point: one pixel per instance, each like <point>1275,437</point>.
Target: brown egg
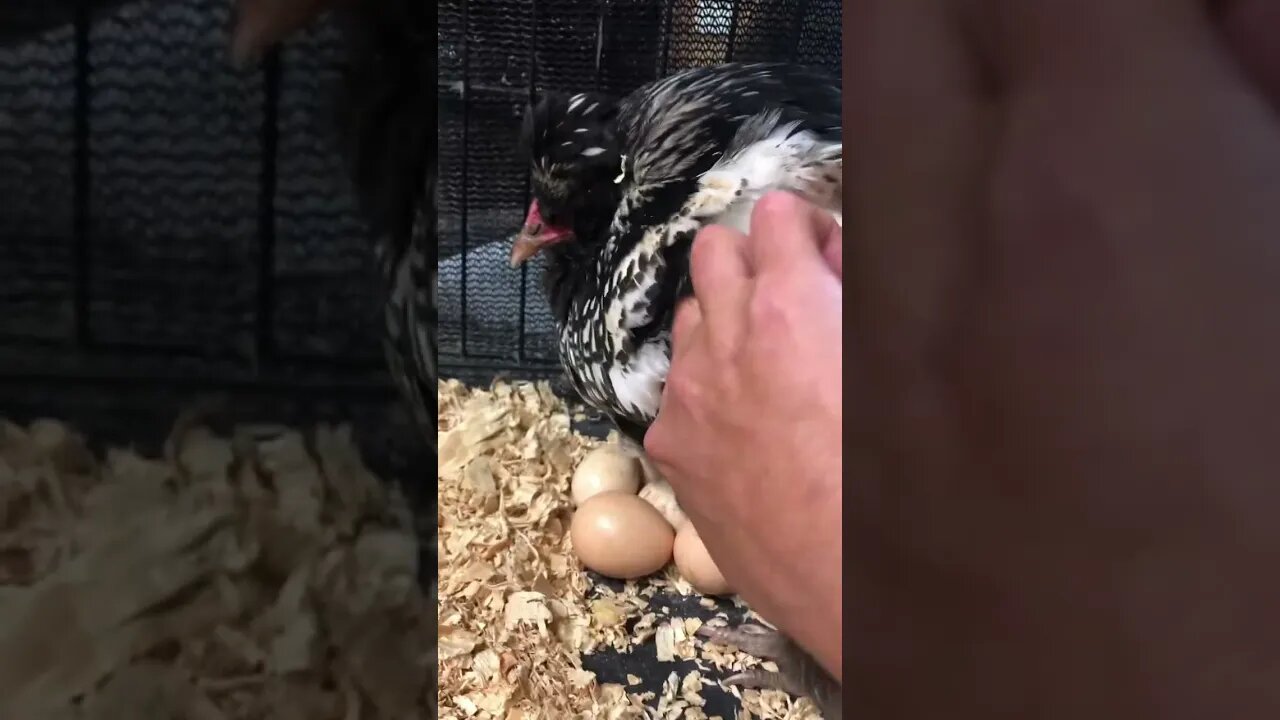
<point>605,469</point>
<point>695,563</point>
<point>621,536</point>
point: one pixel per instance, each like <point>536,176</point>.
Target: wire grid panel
<point>37,194</point>
<point>158,202</point>
<point>494,56</point>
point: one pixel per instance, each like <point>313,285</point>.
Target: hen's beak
<point>534,236</point>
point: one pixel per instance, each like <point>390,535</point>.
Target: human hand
<point>750,425</point>
<point>1063,225</point>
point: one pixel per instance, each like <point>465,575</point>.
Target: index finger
<point>722,282</point>
<point>787,232</point>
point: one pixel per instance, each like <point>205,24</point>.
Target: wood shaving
<point>267,575</point>
<point>517,613</point>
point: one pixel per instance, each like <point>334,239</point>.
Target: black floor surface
<point>611,666</point>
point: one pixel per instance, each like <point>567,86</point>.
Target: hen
<point>620,189</point>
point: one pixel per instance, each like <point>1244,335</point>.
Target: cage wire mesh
<point>166,218</point>
<point>494,56</point>
<point>158,200</point>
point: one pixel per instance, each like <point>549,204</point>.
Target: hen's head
<point>574,154</point>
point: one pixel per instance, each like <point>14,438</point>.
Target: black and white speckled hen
<point>621,187</point>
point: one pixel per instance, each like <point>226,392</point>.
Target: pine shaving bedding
<point>517,613</point>
<point>261,576</point>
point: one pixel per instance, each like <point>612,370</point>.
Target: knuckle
<point>684,387</point>
<point>769,305</point>
<point>655,440</point>
<point>723,349</point>
<point>678,381</point>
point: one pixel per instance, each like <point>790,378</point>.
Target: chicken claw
<point>798,673</point>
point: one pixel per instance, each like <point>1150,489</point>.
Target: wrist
<point>818,614</point>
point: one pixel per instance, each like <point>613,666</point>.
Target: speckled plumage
<point>410,320</point>
<point>637,178</point>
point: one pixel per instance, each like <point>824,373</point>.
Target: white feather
<point>638,384</point>
<point>767,156</point>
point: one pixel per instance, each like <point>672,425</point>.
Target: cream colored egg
<point>605,469</point>
<point>621,536</point>
<point>695,563</point>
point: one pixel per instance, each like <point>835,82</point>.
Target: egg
<point>621,536</point>
<point>695,563</point>
<point>605,469</point>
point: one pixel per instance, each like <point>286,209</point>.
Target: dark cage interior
<point>495,55</point>
<point>173,228</point>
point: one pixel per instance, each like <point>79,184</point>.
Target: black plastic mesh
<point>37,274</point>
<point>493,55</point>
<point>173,229</point>
<point>158,207</point>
